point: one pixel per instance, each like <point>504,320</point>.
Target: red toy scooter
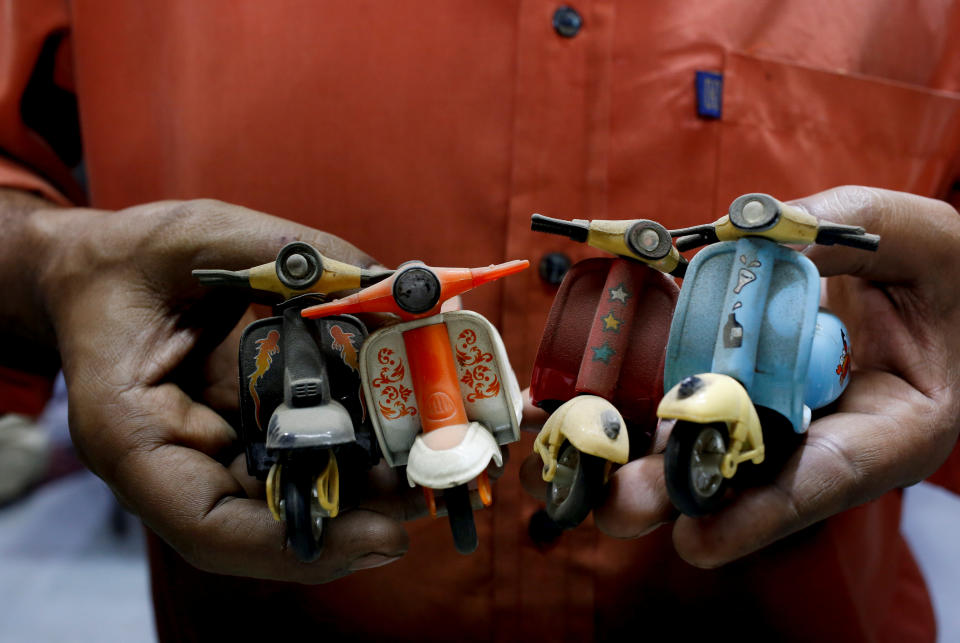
<point>599,369</point>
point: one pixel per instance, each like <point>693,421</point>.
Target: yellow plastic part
<point>273,492</point>
<point>611,236</point>
<point>794,226</point>
<point>580,421</point>
<point>336,276</point>
<point>328,487</point>
<point>720,399</point>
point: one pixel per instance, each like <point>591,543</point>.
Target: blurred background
<point>73,566</point>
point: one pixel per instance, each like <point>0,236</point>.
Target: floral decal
<point>393,394</point>
<point>479,377</point>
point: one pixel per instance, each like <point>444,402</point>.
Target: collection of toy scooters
<point>742,350</point>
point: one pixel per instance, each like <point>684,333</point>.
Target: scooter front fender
<point>711,398</point>
<point>442,468</point>
<point>591,424</point>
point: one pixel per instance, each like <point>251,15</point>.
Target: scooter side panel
<point>488,386</point>
<point>388,387</point>
<point>786,336</point>
<point>696,320</point>
<point>261,388</point>
<point>829,371</point>
<point>341,338</point>
<point>564,339</point>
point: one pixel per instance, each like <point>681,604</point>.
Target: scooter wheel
<point>304,529</point>
<point>692,467</point>
<point>460,514</point>
<point>576,487</point>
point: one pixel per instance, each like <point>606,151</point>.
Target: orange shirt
<point>432,130</point>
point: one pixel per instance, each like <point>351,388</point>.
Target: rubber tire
<point>677,470</point>
<point>585,490</point>
<point>314,263</point>
<point>460,514</point>
<point>303,534</point>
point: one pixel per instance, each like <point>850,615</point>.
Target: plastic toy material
<point>599,368</point>
<point>439,387</point>
<point>750,353</point>
<point>301,420</point>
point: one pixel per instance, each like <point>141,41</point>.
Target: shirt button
<point>553,266</point>
<point>567,22</point>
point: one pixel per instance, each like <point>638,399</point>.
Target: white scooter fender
<point>451,456</point>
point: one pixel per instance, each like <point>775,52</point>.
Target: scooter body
<point>750,353</point>
<point>487,388</point>
<point>599,370</point>
<point>749,309</point>
<point>301,416</point>
<point>275,417</point>
<point>439,386</point>
<point>605,336</point>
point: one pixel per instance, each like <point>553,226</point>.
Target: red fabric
<point>433,130</point>
<point>23,393</point>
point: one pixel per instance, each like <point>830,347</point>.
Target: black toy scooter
<point>303,424</point>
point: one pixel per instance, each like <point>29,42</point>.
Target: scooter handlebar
<point>573,230</point>
<point>829,234</point>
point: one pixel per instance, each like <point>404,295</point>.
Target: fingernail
<point>373,560</point>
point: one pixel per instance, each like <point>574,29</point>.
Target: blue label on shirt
<point>709,94</point>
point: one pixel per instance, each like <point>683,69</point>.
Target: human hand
<point>895,424</point>
<point>137,333</point>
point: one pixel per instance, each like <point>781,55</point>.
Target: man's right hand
<point>137,337</point>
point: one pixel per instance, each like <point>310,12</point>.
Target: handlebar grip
<point>230,278</point>
<point>695,236</point>
<point>575,231</point>
<point>681,268</point>
<point>691,241</point>
<point>854,238</point>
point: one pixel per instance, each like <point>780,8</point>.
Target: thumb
<point>917,234</point>
<point>208,233</point>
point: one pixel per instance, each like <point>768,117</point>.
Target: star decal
<point>610,322</point>
<point>602,353</point>
<point>619,293</point>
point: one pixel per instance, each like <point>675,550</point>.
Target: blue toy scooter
<point>750,352</point>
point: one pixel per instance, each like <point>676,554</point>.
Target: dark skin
<point>895,424</point>
<point>138,339</point>
<point>151,380</point>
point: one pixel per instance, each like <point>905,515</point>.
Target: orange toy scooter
<point>466,404</point>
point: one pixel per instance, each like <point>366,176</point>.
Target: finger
<point>662,434</point>
<point>194,504</point>
<point>387,491</point>
<point>533,417</point>
<point>252,488</point>
<point>874,442</point>
<point>917,234</point>
<point>637,501</point>
<point>531,478</point>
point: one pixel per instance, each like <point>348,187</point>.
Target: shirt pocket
<point>791,130</point>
